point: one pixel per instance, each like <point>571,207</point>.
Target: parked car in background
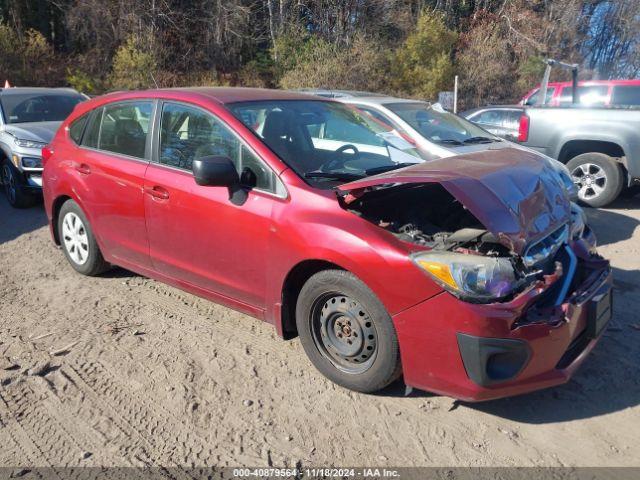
<point>501,120</point>
<point>472,276</point>
<point>429,126</point>
<point>434,131</point>
<point>600,146</point>
<point>29,117</point>
<point>590,93</point>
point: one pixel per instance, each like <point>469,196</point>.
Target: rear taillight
<point>47,151</point>
<point>523,128</point>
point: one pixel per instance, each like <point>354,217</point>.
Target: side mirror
<point>215,171</point>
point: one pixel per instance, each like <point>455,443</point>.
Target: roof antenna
<point>154,80</point>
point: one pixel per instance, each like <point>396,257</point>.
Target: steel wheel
<point>344,333</point>
<point>9,183</point>
<point>590,179</point>
<point>74,236</point>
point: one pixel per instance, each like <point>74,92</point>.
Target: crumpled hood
<point>517,195</point>
<point>35,131</point>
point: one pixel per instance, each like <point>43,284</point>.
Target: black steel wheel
<point>346,332</point>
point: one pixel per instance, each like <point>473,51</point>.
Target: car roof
<point>587,83</point>
<point>358,96</point>
<point>322,92</point>
<point>34,90</point>
<point>492,107</point>
<point>223,95</point>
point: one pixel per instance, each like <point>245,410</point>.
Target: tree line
<point>406,47</point>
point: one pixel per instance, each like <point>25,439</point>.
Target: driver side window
<point>188,133</point>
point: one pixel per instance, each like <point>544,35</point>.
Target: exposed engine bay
<point>427,215</point>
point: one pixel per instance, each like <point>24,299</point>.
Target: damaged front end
<point>485,233</point>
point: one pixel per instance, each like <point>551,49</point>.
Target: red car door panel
<point>115,200</point>
<point>198,236</point>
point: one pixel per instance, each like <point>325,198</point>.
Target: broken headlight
<point>473,278</point>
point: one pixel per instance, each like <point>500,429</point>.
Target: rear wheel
<point>12,183</point>
<point>78,242</point>
<point>598,177</point>
<point>346,332</point>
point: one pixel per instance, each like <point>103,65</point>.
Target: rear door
<point>197,234</point>
<point>115,149</point>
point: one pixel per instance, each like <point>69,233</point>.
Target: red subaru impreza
<point>472,276</point>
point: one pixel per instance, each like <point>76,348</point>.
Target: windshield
<point>38,107</point>
<point>439,126</point>
<point>326,142</point>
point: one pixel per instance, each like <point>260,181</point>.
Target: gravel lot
<point>122,370</point>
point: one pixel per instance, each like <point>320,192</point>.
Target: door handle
<point>157,192</point>
<point>83,168</point>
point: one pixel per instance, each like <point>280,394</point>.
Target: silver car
<point>436,132</point>
<point>429,126</point>
<point>29,118</point>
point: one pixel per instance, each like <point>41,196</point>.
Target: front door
<point>196,233</point>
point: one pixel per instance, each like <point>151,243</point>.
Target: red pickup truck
<point>590,93</point>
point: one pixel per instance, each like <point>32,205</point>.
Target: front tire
<point>12,187</point>
<point>78,242</point>
<point>346,332</point>
<point>598,177</point>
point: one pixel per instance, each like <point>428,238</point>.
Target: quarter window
<point>92,133</point>
<point>188,133</point>
<point>77,128</point>
<point>124,128</point>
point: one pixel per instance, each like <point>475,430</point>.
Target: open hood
<point>516,194</point>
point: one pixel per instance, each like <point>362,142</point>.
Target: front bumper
<point>480,352</point>
<point>29,179</point>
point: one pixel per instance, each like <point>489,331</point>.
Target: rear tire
<point>12,187</point>
<point>598,177</point>
<point>78,242</point>
<point>346,332</point>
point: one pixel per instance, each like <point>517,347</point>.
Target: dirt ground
<point>125,371</point>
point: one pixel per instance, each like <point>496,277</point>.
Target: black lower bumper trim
<point>492,360</point>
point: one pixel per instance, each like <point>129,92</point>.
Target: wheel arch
<point>575,147</point>
<point>55,212</point>
<point>293,282</point>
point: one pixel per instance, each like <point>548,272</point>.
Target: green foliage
<point>9,53</point>
<point>486,66</point>
<point>360,66</point>
<point>27,60</point>
<point>530,72</point>
<point>258,72</point>
<point>423,65</point>
<point>82,81</point>
<point>296,47</point>
<point>132,67</point>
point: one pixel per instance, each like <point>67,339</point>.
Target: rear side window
<point>513,119</point>
<point>492,117</point>
<point>77,128</point>
<point>626,95</point>
<point>124,128</point>
<point>92,132</point>
<point>534,97</point>
<point>587,95</point>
